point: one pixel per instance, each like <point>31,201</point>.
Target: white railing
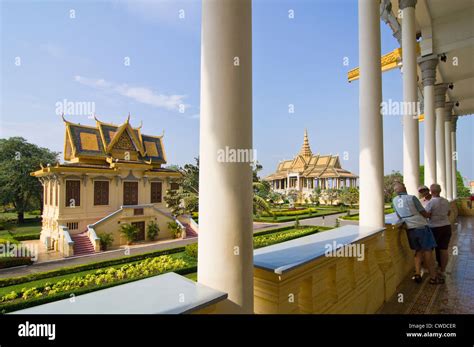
<point>95,240</point>
<point>68,243</point>
<point>194,225</point>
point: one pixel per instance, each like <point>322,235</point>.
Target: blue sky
<point>296,61</point>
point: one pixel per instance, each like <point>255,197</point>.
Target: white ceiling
<point>450,23</point>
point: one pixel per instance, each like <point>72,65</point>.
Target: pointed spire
<point>305,149</point>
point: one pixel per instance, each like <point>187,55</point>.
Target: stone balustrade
<point>298,277</point>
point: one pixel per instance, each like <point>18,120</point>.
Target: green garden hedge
<point>4,282</point>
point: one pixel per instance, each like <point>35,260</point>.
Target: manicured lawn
<point>192,276</point>
<point>356,216</point>
<point>44,281</point>
<point>315,212</point>
<point>29,230</point>
<point>14,215</point>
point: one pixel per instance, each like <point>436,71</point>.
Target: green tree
<point>152,230</point>
<point>388,182</point>
<point>463,191</point>
<point>259,202</point>
<point>349,196</point>
<point>330,195</point>
<point>316,194</point>
<point>18,159</point>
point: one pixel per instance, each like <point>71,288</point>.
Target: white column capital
<point>448,108</point>
<point>428,69</point>
<point>402,4</point>
<point>440,94</point>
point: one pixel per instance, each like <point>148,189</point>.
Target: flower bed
<point>100,279</point>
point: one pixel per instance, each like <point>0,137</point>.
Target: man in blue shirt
<point>420,237</point>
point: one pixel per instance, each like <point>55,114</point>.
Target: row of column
<point>440,125</point>
<point>323,183</point>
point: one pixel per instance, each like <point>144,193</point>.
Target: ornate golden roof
<point>109,142</point>
<point>312,166</point>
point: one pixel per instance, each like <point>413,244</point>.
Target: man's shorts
<point>421,239</point>
<point>442,236</point>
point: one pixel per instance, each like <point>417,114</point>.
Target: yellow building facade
<point>112,175</point>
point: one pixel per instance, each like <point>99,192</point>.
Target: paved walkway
<point>456,295</point>
<point>138,249</point>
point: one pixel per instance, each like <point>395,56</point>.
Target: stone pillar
<point>371,206</point>
<point>449,150</point>
<point>428,70</point>
<point>411,146</point>
<point>440,100</point>
<point>225,214</point>
<point>455,156</point>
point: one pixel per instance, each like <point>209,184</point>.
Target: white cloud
<point>142,95</point>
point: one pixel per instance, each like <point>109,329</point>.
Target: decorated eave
<point>88,169</point>
<point>102,142</point>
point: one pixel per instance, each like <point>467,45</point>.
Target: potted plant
<point>129,231</point>
<point>152,230</point>
<point>175,229</point>
<point>106,241</point>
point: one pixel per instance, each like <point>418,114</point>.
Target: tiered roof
<point>311,166</point>
<point>109,142</point>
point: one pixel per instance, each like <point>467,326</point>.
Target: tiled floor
<point>456,295</point>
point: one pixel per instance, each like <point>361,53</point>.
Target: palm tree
<point>259,203</point>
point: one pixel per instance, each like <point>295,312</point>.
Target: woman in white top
<point>439,210</point>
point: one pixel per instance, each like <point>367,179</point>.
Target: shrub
<point>152,230</point>
<point>5,282</point>
<point>272,238</point>
<point>6,224</point>
<point>24,237</point>
<point>175,229</point>
<point>14,261</point>
<point>297,223</point>
<point>106,240</point>
<point>192,250</point>
<point>129,231</point>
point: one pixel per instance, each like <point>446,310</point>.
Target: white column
<point>440,99</point>
<point>428,70</point>
<point>225,214</point>
<point>455,156</point>
<point>449,150</point>
<point>411,146</point>
<point>370,119</point>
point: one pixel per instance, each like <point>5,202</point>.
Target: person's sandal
<point>416,278</point>
<point>436,280</point>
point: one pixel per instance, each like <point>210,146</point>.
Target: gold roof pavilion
<point>311,167</point>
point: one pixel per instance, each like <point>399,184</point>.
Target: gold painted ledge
<point>327,285</point>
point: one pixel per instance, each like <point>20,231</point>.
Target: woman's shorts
<point>421,239</point>
<point>442,236</point>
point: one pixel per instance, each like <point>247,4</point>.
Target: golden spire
<point>305,149</point>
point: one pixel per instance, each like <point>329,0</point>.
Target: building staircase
<point>82,244</point>
<point>190,232</point>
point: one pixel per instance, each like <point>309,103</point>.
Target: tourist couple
<point>428,228</point>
